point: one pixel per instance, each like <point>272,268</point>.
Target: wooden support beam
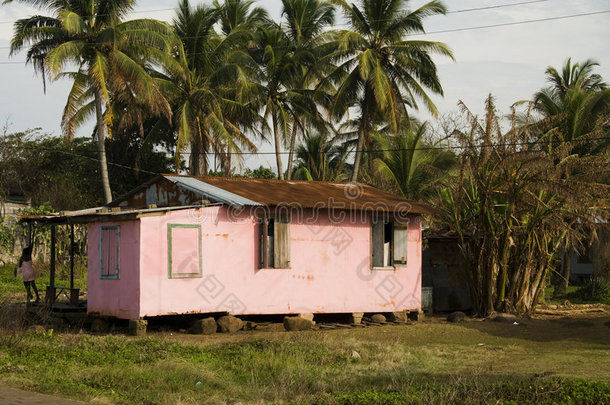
<point>51,289</point>
<point>71,256</point>
<point>29,237</point>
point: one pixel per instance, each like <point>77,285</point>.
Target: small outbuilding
<point>182,244</point>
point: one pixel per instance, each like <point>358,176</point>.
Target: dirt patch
<point>554,323</point>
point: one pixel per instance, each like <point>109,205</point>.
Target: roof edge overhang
<point>107,215</point>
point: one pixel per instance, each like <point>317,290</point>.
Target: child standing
<point>29,278</point>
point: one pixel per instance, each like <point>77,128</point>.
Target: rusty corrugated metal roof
<point>205,189</point>
<point>308,194</point>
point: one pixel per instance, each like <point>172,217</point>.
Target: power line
<point>515,23</point>
<point>448,12</point>
<point>104,15</point>
<point>497,6</point>
<point>492,25</point>
<point>420,148</point>
<point>69,153</point>
<point>97,160</point>
<point>443,31</point>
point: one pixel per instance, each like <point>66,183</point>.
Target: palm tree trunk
<point>293,138</point>
<point>228,165</point>
<point>101,147</point>
<point>363,131</point>
<point>196,156</point>
<point>278,157</point>
<point>559,280</point>
<point>358,155</point>
<point>198,163</point>
<point>565,277</point>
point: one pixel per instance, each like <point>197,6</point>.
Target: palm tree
<point>109,54</point>
<point>278,66</point>
<point>413,168</point>
<point>319,159</point>
<point>239,21</point>
<point>239,15</point>
<point>202,86</point>
<point>287,56</point>
<point>379,70</point>
<point>306,21</point>
<point>578,75</point>
<point>575,105</point>
<point>575,111</point>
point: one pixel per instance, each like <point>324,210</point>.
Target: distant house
<point>11,206</point>
<point>181,244</point>
<point>595,260</point>
<point>14,202</point>
<point>445,273</point>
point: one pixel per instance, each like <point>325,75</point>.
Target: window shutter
<point>377,243</point>
<point>262,243</point>
<point>184,250</point>
<point>281,242</point>
<point>109,252</point>
<point>400,244</point>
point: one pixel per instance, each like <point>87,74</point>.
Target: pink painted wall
<point>120,297</point>
<point>330,269</point>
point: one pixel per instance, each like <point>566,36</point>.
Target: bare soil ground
<point>589,322</point>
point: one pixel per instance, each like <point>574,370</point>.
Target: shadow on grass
<point>590,328</point>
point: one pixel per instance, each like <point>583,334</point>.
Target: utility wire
<point>420,148</point>
<point>448,12</point>
<point>515,23</point>
<point>486,26</point>
<point>444,31</point>
<point>497,6</point>
<point>69,153</point>
<point>104,15</point>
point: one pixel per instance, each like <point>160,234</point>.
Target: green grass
<point>539,361</point>
<point>573,295</point>
<point>430,363</point>
<point>11,287</point>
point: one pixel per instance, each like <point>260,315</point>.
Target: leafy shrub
<point>6,236</point>
<point>594,289</point>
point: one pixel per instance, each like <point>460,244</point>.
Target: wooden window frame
<point>395,226</point>
<point>117,229</point>
<point>169,251</point>
<point>263,242</point>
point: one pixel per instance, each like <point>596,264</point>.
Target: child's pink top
<point>28,271</point>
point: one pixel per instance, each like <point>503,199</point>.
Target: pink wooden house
<point>181,244</point>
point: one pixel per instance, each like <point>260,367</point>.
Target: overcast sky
<point>507,61</point>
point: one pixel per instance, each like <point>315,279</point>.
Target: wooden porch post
<point>71,256</point>
<point>28,241</point>
<point>51,288</point>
